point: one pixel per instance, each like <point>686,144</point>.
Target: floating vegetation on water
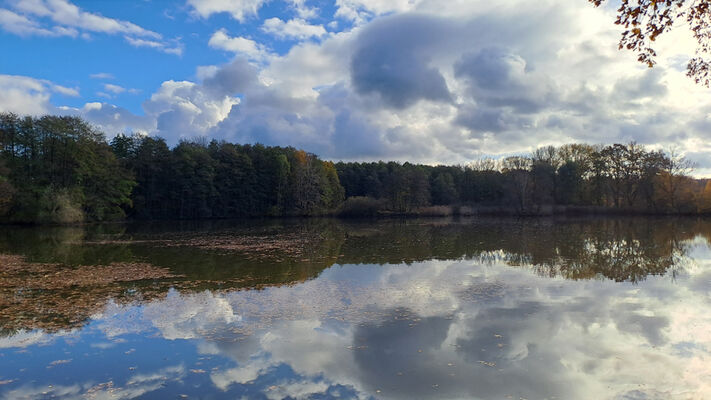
<point>53,296</point>
<point>282,244</point>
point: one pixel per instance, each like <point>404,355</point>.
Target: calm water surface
<point>320,309</point>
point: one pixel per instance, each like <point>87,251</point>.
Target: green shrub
<point>60,206</point>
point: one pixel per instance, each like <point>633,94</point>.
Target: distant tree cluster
<point>225,180</point>
<point>61,170</point>
<point>625,177</point>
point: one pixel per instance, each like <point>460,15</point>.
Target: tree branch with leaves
<point>646,20</point>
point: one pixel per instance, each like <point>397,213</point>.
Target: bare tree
<point>676,169</point>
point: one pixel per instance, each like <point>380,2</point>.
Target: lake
<point>560,308</point>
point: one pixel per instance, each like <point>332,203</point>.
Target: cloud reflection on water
<point>409,332</point>
<point>486,327</point>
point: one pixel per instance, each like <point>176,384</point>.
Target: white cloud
<point>30,96</point>
<point>359,11</point>
<point>238,9</point>
<point>294,28</point>
<point>112,119</point>
<point>67,14</point>
<point>183,109</point>
<point>102,75</point>
<point>116,89</point>
<point>162,46</point>
<point>303,11</point>
<point>238,45</point>
<point>66,91</point>
<point>23,26</point>
<point>430,81</point>
<point>62,18</point>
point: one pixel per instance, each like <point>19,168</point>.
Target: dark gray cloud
<point>492,69</point>
<point>232,79</point>
<point>499,78</point>
<point>643,86</point>
<point>482,119</point>
<point>346,126</point>
<point>392,60</point>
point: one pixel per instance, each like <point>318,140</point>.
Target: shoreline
<point>431,212</point>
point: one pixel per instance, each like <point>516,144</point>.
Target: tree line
<point>572,177</point>
<point>60,169</point>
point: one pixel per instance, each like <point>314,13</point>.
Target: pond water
<point>393,309</point>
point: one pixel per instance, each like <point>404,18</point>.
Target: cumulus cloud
<point>391,59</point>
<point>114,88</point>
<point>112,119</point>
<point>359,11</point>
<point>238,45</point>
<point>433,82</point>
<point>182,109</point>
<point>304,11</point>
<point>293,29</point>
<point>25,95</point>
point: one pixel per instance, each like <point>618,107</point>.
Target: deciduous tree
<point>645,21</point>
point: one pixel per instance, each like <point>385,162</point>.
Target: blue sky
<point>418,80</point>
<point>75,60</point>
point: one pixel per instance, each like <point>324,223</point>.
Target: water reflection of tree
<point>222,256</point>
<point>618,249</point>
<point>626,251</point>
<point>65,275</point>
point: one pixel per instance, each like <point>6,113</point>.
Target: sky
<point>425,81</point>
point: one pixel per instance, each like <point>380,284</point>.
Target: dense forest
<point>570,178</point>
<point>61,169</point>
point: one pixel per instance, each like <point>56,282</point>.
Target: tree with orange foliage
<point>305,181</point>
<point>646,20</point>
